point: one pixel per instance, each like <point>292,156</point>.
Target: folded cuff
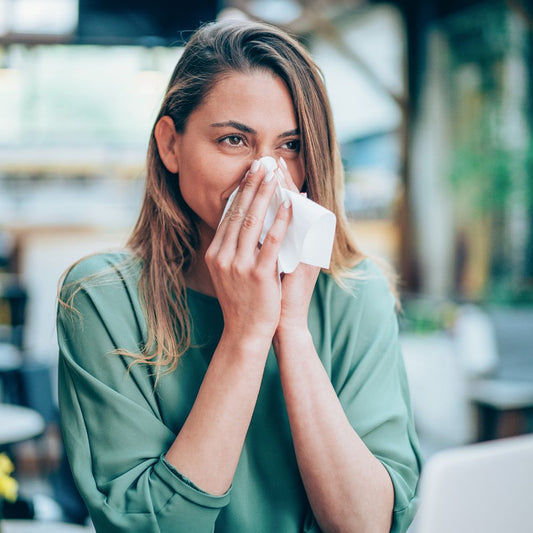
<point>186,488</point>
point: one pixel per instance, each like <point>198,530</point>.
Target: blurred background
<point>433,104</point>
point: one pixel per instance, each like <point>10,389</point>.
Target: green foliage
<point>487,174</point>
<point>482,168</point>
<point>423,315</point>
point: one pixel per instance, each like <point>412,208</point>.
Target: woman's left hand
<point>296,287</point>
<point>296,291</point>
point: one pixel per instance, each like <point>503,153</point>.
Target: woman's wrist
<point>294,340</point>
<point>245,344</point>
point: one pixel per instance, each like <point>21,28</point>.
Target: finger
<point>271,245</point>
<point>237,209</point>
<point>223,224</point>
<point>285,175</point>
<point>240,215</point>
<point>253,221</point>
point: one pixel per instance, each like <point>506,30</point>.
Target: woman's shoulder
<point>103,285</point>
<point>111,275</point>
<point>101,266</point>
<point>368,285</point>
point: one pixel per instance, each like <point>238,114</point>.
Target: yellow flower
<point>6,466</point>
<point>8,488</point>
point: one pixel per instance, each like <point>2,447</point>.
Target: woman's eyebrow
<point>246,129</point>
<point>234,124</point>
<point>290,133</point>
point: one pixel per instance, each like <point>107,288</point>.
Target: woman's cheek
<point>296,169</point>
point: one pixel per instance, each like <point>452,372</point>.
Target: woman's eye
<point>233,140</point>
<point>293,146</point>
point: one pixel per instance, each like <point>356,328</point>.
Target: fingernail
<point>255,166</point>
<point>283,164</point>
<point>287,203</point>
<point>304,194</point>
<point>269,176</point>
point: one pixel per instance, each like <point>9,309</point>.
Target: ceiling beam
<point>314,20</point>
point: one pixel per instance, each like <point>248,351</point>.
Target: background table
<point>19,423</point>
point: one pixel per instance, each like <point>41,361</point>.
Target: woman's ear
<point>166,138</point>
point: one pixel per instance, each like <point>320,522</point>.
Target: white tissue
<point>311,232</point>
<point>269,163</point>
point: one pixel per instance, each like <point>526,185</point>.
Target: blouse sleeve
<point>369,376</point>
<point>114,436</point>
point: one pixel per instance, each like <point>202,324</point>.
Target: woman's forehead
<point>250,99</point>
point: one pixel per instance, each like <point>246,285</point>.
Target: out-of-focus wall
<point>73,137</point>
<point>471,157</point>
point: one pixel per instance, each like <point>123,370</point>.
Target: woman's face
<point>244,117</point>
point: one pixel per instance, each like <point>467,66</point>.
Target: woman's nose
<point>266,153</point>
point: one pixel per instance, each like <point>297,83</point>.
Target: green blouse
<point>117,425</point>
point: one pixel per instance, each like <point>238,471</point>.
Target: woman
<point>198,390</point>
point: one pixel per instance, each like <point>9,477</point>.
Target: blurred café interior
<point>433,105</point>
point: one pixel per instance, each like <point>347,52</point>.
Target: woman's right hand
<point>245,275</point>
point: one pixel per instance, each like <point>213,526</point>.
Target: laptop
<point>480,488</point>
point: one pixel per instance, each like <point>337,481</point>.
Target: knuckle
<point>209,256</point>
<point>236,214</point>
<point>272,238</point>
<point>250,221</point>
<point>239,268</point>
<point>221,262</point>
<point>257,274</point>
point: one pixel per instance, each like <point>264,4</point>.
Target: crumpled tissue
<point>311,232</point>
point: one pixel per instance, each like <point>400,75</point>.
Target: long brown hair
<point>165,237</point>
